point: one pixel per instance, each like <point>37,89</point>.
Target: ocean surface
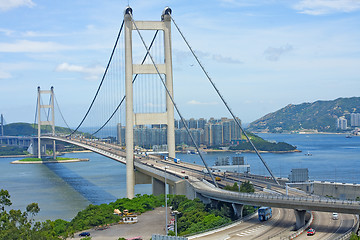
<point>63,189</point>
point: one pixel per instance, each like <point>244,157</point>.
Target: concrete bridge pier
<point>300,218</point>
<point>171,189</point>
<point>158,187</point>
<point>238,209</point>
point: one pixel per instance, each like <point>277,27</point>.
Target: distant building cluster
<point>342,122</point>
<point>212,132</point>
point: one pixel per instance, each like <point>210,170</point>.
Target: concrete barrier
<point>301,230</point>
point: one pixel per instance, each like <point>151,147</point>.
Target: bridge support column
<point>238,209</point>
<point>158,187</point>
<point>300,218</point>
<point>171,189</point>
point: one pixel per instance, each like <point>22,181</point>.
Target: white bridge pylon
<point>50,122</point>
<point>166,117</point>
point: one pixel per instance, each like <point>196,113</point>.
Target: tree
<point>4,199</point>
<point>247,187</point>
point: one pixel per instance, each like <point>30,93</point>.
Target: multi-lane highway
<point>280,226</point>
<point>328,228</point>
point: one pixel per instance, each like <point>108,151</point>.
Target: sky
<point>261,54</point>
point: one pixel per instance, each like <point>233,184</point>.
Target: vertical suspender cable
<point>227,106</point>
<point>173,102</point>
<point>122,100</point>
<point>102,80</point>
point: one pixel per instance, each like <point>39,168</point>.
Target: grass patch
<point>45,159</point>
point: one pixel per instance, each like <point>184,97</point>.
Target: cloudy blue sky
<point>262,54</point>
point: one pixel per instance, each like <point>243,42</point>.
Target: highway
<point>278,227</point>
<point>327,228</point>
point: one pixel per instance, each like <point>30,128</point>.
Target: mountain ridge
<point>319,116</point>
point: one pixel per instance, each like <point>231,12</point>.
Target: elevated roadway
<point>188,179</point>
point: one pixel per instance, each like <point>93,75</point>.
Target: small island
<point>49,160</point>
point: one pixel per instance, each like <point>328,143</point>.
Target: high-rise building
<point>192,123</point>
<point>355,119</point>
<point>217,133</point>
<point>226,125</point>
<point>342,123</point>
<point>201,123</point>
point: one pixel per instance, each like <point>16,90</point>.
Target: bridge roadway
<point>176,172</point>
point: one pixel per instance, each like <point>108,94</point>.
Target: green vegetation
<point>245,187</point>
<point>27,129</point>
<point>45,159</point>
<point>262,145</point>
<point>195,216</point>
<point>319,115</point>
<point>20,225</point>
<point>31,160</point>
<point>12,150</point>
<point>354,237</point>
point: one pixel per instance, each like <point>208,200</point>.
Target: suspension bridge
<point>137,92</point>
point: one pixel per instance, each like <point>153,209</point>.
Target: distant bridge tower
<point>2,127</point>
<point>166,117</point>
<point>50,122</point>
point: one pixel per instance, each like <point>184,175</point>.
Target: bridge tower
<point>2,127</point>
<point>166,117</point>
<point>47,122</point>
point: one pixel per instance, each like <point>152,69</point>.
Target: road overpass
<point>153,171</point>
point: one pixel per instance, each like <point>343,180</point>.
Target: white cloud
<point>31,46</point>
<point>4,75</point>
<point>91,73</point>
<point>222,59</point>
<point>40,34</point>
<point>321,7</point>
<point>7,32</point>
<point>273,54</point>
<point>10,4</point>
<point>194,102</point>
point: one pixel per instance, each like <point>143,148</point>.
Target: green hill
<point>27,129</point>
<point>319,115</point>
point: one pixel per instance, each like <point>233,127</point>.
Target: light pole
<point>176,213</point>
<point>166,212</point>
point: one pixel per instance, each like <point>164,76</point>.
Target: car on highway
<point>182,171</point>
<point>335,216</point>
<point>84,234</point>
<point>311,232</point>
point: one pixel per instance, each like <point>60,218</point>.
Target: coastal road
<point>280,224</point>
<point>327,228</point>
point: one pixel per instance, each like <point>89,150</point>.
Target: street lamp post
<point>166,209</point>
<point>176,213</point>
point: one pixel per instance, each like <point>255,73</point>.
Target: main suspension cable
<point>57,104</point>
<point>102,80</point>
<point>122,100</point>
<point>173,102</point>
<point>223,100</point>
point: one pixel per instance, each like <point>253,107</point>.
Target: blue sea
<point>61,190</point>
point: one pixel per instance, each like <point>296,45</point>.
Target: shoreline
<point>51,161</point>
<point>243,151</point>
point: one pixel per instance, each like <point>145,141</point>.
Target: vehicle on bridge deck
<point>264,213</point>
<point>311,232</point>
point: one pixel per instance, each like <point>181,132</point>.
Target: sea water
<point>63,189</point>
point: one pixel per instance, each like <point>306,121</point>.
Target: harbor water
<point>63,189</point>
